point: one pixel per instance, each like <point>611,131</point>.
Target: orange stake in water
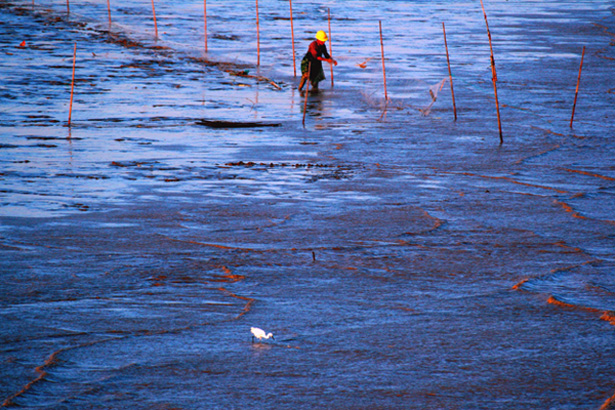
<point>205,21</point>
<point>494,76</point>
<point>384,72</point>
<point>258,39</point>
<point>450,76</point>
<point>577,91</point>
<point>72,86</point>
<point>307,91</point>
<point>292,36</point>
<point>109,11</point>
<point>155,23</point>
<point>330,43</point>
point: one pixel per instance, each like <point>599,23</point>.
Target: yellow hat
<point>322,36</point>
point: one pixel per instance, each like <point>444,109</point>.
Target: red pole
<point>292,36</point>
<point>67,7</point>
<point>307,91</point>
<point>384,75</point>
<point>72,86</point>
<point>205,21</point>
<point>494,76</point>
<point>577,91</point>
<point>330,43</point>
<point>258,39</point>
<point>155,23</point>
<point>450,76</point>
<point>109,11</point>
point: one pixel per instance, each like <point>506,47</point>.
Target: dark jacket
<point>315,50</point>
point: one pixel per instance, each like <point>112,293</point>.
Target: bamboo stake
<point>72,86</point>
<point>67,7</point>
<point>384,75</point>
<point>205,21</point>
<point>109,11</point>
<point>258,39</point>
<point>450,75</point>
<point>292,36</point>
<point>577,91</point>
<point>155,23</point>
<point>307,91</point>
<point>330,44</point>
<point>494,76</point>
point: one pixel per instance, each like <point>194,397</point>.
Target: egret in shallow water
<point>260,334</point>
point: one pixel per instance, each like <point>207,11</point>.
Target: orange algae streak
<point>609,316</point>
<point>552,300</point>
<point>569,209</point>
<point>519,161</point>
<point>437,221</point>
<point>571,249</point>
<point>556,302</point>
<point>509,179</point>
<point>549,132</point>
<point>212,245</point>
<point>41,375</point>
<point>228,277</point>
<point>591,174</point>
<point>518,285</point>
<point>247,306</point>
<point>568,268</point>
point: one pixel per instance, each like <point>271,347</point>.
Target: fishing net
<point>424,96</point>
<point>433,93</point>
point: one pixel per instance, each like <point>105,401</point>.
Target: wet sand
<point>401,260</point>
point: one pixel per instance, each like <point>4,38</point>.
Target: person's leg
<point>303,80</point>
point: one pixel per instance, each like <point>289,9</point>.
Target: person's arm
<point>326,57</point>
<point>328,60</point>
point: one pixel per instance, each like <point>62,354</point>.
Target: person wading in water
<point>316,54</point>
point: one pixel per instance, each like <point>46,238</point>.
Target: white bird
<point>260,334</point>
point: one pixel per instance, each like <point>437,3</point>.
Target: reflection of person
<point>316,54</point>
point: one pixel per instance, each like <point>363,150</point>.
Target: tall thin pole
<point>109,11</point>
<point>330,43</point>
<point>67,7</point>
<point>72,86</point>
<point>450,75</point>
<point>384,75</point>
<point>205,21</point>
<point>494,76</point>
<point>258,39</point>
<point>577,91</point>
<point>307,91</point>
<point>292,36</point>
<point>155,22</point>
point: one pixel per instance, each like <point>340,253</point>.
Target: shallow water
<point>402,259</point>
